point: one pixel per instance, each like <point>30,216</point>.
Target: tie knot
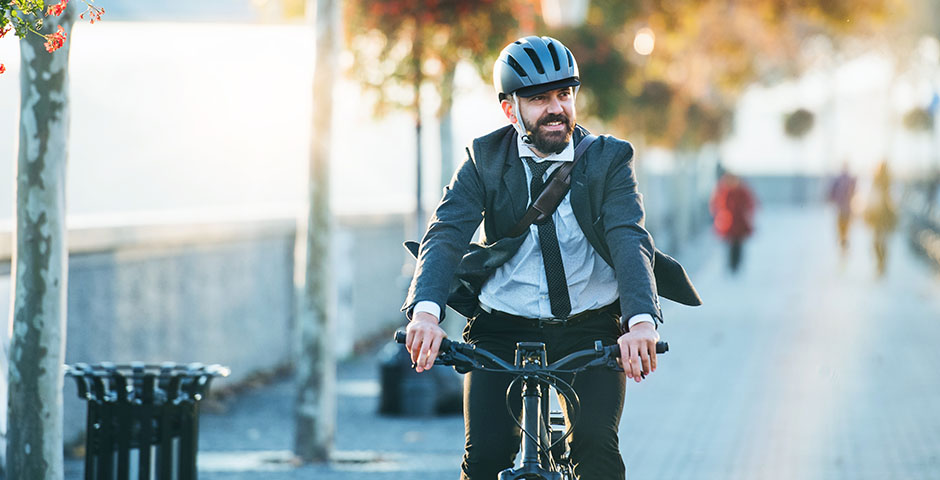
<point>538,168</point>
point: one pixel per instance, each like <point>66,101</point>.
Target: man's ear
<point>507,109</point>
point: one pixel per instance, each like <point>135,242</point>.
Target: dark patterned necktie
<point>551,254</point>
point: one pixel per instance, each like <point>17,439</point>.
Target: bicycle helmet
<point>534,65</point>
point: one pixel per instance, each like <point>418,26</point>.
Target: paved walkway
<point>804,366</point>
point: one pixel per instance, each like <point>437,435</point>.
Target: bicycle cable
<point>572,404</point>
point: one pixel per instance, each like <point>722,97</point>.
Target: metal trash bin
<point>142,414</point>
<point>411,394</point>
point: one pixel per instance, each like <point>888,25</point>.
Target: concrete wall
<point>213,292</point>
<point>677,206</point>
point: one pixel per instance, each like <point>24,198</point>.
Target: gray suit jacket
<point>490,187</point>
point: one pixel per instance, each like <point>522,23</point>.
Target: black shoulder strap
<point>556,189</point>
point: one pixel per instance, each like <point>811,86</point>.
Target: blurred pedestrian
<point>732,206</point>
<point>841,193</point>
<point>933,186</point>
<point>881,214</point>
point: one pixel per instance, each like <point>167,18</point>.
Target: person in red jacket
<point>732,206</point>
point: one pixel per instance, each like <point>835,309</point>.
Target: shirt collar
<point>566,155</point>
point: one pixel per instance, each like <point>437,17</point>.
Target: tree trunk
<point>446,123</point>
<point>316,369</point>
<point>40,262</point>
<point>417,56</point>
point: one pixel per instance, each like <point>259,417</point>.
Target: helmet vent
<point>551,49</point>
<point>535,59</point>
<point>570,60</point>
<point>515,66</point>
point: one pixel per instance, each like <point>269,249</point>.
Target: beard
<point>550,142</point>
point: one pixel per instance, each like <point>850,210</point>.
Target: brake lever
<point>461,363</point>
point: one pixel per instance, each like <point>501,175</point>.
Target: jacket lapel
<point>581,206</point>
<point>514,181</point>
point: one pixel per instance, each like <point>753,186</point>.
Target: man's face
<point>549,119</point>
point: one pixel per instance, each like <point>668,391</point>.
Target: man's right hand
<point>423,341</point>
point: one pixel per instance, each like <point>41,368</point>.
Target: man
<point>565,282</point>
<point>841,193</point>
<point>733,205</point>
<point>881,215</point>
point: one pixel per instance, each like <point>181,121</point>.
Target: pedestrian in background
<point>732,206</point>
<point>881,214</point>
<point>841,193</point>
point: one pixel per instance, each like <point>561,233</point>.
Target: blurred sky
<point>177,114</point>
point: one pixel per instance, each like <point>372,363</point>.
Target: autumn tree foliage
<point>681,95</point>
<point>399,46</point>
<point>397,43</point>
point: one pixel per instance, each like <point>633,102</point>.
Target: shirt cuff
<point>429,307</point>
<point>638,318</point>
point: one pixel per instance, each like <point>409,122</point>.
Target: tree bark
<point>316,369</point>
<point>40,261</point>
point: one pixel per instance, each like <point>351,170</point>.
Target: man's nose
<point>554,105</point>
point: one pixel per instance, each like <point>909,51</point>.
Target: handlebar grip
<point>662,347</point>
<point>401,336</point>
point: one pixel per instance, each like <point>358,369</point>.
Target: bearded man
<point>585,274</point>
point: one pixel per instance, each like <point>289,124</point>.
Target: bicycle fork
<point>533,433</point>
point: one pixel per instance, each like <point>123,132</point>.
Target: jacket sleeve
<point>631,246</point>
<point>449,232</point>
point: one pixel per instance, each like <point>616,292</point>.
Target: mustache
<point>554,118</point>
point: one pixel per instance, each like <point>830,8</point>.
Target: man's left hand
<point>638,350</point>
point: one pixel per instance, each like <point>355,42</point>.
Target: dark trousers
<point>734,253</point>
<point>493,438</point>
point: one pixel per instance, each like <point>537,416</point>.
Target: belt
<point>543,322</point>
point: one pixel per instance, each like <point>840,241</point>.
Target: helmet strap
<point>519,124</point>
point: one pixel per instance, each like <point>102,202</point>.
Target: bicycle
<point>544,451</point>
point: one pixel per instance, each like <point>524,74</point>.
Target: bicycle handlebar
<point>465,357</point>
